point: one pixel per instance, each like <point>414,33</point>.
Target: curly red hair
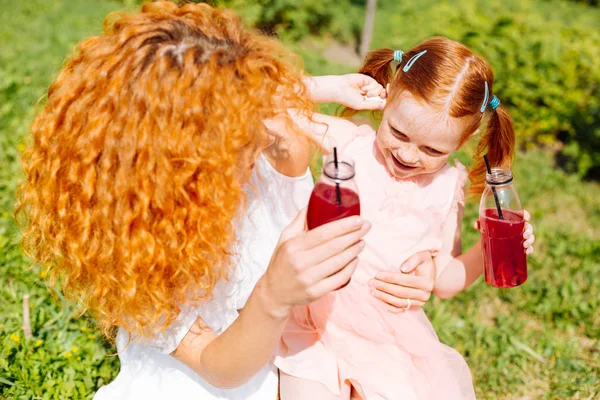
<point>133,177</point>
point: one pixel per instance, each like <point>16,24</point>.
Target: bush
<point>294,20</point>
<point>544,53</point>
<point>545,56</point>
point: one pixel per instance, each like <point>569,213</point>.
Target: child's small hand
<point>360,92</point>
<point>528,236</point>
<point>405,290</point>
<point>357,91</point>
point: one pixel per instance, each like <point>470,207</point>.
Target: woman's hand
<point>307,265</point>
<point>528,236</point>
<point>405,290</point>
<point>357,91</point>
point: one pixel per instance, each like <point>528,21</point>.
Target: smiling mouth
<point>400,165</point>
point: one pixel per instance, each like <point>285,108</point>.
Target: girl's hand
<point>361,92</point>
<point>528,236</point>
<point>357,91</point>
<point>307,265</point>
<point>396,288</point>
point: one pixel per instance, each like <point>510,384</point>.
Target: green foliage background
<point>545,55</point>
<point>541,340</point>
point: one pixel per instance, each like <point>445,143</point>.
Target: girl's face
<point>416,139</point>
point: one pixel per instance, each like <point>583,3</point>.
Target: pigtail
<point>377,65</point>
<point>498,142</point>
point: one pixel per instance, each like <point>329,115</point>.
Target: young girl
<point>347,342</point>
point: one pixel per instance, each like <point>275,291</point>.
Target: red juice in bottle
<point>505,262</point>
<point>335,196</point>
<point>323,206</point>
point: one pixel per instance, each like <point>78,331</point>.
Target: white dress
<point>148,372</point>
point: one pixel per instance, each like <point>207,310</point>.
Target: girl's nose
<point>408,155</point>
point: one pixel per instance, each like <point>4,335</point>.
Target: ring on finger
<point>408,303</point>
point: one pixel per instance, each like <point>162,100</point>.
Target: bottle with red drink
<point>335,195</point>
<point>502,226</point>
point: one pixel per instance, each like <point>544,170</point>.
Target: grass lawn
<point>537,341</point>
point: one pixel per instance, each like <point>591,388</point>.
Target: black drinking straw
<point>489,170</point>
<point>338,193</point>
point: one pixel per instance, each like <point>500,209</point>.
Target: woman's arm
<point>305,266</point>
<point>231,359</point>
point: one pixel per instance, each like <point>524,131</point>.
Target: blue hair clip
<point>494,102</point>
<point>412,60</point>
<point>398,55</point>
<point>485,99</point>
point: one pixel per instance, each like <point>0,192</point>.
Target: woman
<point>163,172</point>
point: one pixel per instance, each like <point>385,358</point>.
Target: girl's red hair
<point>452,78</point>
<point>132,179</point>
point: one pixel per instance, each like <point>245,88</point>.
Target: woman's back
<point>148,370</point>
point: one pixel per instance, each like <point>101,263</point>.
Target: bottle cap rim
<point>344,172</point>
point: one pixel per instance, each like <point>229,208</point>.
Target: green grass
<point>537,341</point>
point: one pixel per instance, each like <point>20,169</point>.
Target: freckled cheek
<point>432,164</point>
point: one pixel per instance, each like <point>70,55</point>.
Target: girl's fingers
<point>528,230</point>
<point>372,103</point>
<point>414,261</point>
<point>398,291</point>
<point>476,225</point>
<point>372,89</point>
<point>413,305</point>
<point>408,281</point>
<point>526,216</point>
<point>396,304</point>
<point>529,242</point>
<point>529,250</point>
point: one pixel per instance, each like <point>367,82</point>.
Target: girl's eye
<point>433,152</point>
<point>399,134</point>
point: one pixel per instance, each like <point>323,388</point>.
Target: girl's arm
<point>304,267</point>
<point>461,271</point>
<point>357,91</point>
<point>290,153</point>
<point>295,132</point>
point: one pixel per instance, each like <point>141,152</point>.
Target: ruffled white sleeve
<point>215,311</point>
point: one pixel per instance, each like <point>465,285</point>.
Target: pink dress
<point>348,337</point>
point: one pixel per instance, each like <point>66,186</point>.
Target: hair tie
<point>398,55</point>
<point>485,99</point>
<point>412,60</point>
<point>494,102</point>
